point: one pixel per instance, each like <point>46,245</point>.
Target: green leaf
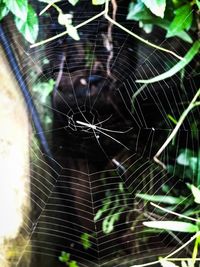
<point>182,20</point>
<point>165,263</point>
<point>121,187</point>
<point>195,249</point>
<point>157,7</point>
<point>184,264</point>
<point>44,89</point>
<point>98,2</point>
<point>139,12</point>
<point>64,257</point>
<point>172,119</point>
<point>173,226</point>
<point>98,215</point>
<point>85,240</point>
<point>162,199</point>
<point>72,31</point>
<point>18,7</point>
<point>191,212</point>
<point>193,161</point>
<point>106,205</point>
<point>163,23</point>
<point>73,2</point>
<point>198,3</point>
<point>147,27</point>
<point>196,193</point>
<point>29,28</point>
<point>184,36</point>
<point>65,19</point>
<point>73,264</point>
<point>3,10</point>
<point>109,221</point>
<point>184,157</point>
<point>180,65</point>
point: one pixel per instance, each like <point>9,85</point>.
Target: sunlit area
<point>14,162</point>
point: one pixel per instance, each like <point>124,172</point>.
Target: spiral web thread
<point>52,229</point>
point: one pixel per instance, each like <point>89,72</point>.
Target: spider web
<point>102,146</point>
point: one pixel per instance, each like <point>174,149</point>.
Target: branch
<point>105,13</point>
<point>65,32</point>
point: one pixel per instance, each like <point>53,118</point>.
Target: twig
<point>48,6</point>
<point>65,32</point>
<point>192,104</point>
<point>174,213</point>
<point>110,39</point>
<point>171,254</point>
<point>142,39</point>
<point>105,13</point>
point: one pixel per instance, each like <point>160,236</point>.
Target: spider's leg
<point>113,139</point>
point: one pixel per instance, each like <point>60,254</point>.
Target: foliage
<point>26,20</point>
<point>66,19</point>
<point>85,240</point>
<point>176,17</point>
<point>173,226</point>
<point>41,91</point>
<point>24,15</point>
<point>186,166</point>
<point>163,199</point>
<point>186,159</point>
<point>176,68</point>
<point>65,258</point>
<point>179,19</point>
<point>111,209</point>
<point>44,89</point>
<point>195,193</point>
<point>187,163</point>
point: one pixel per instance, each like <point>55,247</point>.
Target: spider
<point>95,128</point>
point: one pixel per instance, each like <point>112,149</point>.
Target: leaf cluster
<point>113,206</point>
<point>65,258</point>
<point>177,17</point>
<point>187,166</point>
<point>25,18</point>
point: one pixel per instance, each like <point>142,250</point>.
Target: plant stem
<point>65,32</point>
<point>174,213</point>
<point>105,13</point>
<point>48,6</point>
<point>142,39</point>
<point>171,254</point>
<point>195,250</point>
<point>192,104</point>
